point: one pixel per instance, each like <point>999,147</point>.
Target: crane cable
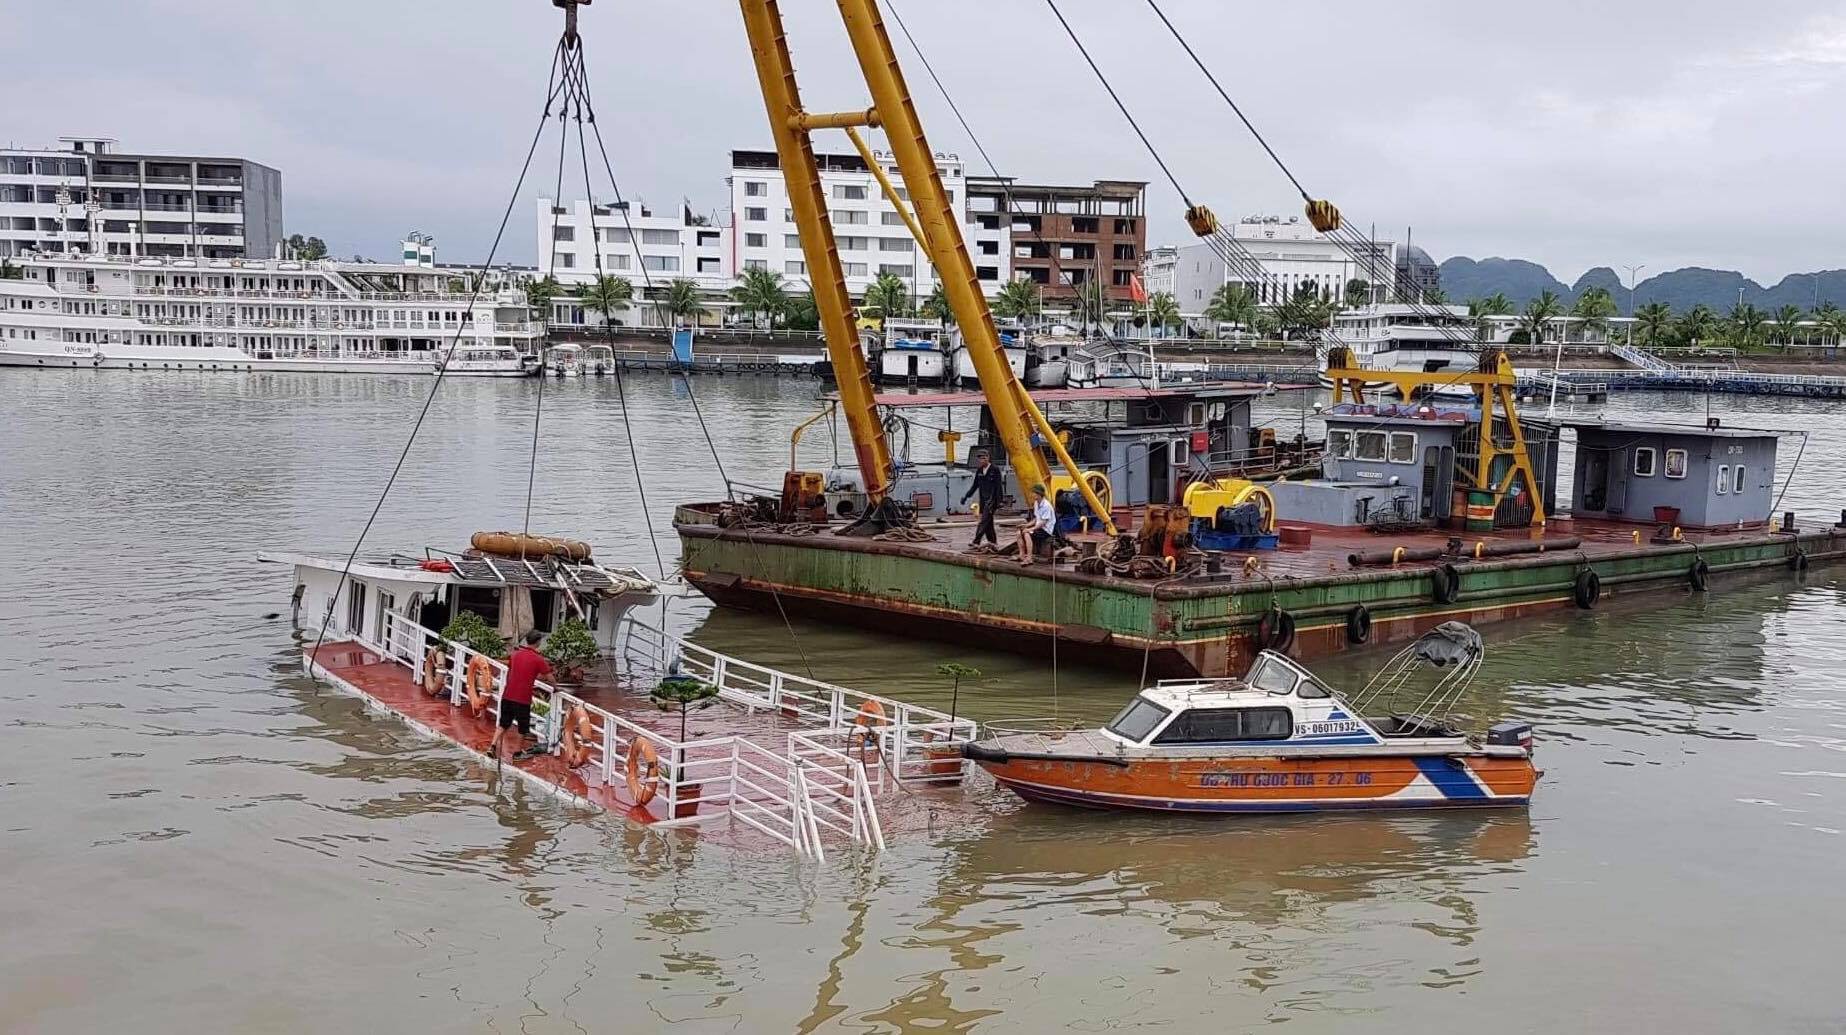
<point>554,86</point>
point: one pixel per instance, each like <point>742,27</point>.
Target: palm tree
<point>1746,324</point>
<point>1358,292</point>
<point>539,294</point>
<point>1306,311</point>
<point>888,295</point>
<point>1235,304</point>
<point>1163,310</point>
<point>1017,299</point>
<point>607,295</point>
<point>1653,320</point>
<point>1823,317</point>
<point>801,313</point>
<point>1538,314</point>
<point>1786,320</point>
<point>1496,304</point>
<point>1837,324</point>
<point>1697,324</point>
<point>683,301</point>
<point>936,307</point>
<point>1593,309</point>
<point>760,293</point>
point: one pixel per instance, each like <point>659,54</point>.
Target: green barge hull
<point>1210,624</point>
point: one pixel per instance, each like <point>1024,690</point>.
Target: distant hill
<point>1464,278</point>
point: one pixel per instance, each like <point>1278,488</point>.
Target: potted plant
<point>569,648</point>
<point>683,694</point>
<point>472,631</point>
<point>945,760</point>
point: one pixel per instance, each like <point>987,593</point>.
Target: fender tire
<point>1358,625</point>
<point>1587,590</point>
<point>1445,584</point>
<point>1699,575</point>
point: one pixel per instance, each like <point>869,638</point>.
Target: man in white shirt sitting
<point>1039,528</point>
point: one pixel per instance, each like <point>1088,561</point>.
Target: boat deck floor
<point>1329,548</point>
<point>389,685</point>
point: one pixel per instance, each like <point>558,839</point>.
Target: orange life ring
<point>480,684</point>
<point>643,757</point>
<point>579,734</point>
<point>435,671</point>
<point>870,713</point>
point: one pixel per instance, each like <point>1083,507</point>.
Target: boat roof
<point>1653,428</point>
<point>1195,389</point>
<point>544,572</point>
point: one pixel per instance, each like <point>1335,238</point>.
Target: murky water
<point>194,837</point>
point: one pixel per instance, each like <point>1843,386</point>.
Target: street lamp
<point>1632,271</point>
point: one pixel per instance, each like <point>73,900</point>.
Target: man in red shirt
<point>522,670</point>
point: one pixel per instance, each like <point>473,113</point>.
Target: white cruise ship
<point>1396,336</point>
<point>120,312</point>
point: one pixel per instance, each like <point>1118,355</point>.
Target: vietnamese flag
<point>1136,289</point>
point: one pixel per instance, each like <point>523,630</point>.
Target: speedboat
<point>1281,740</point>
<point>565,360</point>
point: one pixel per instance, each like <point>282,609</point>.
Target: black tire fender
<point>1588,589</point>
<point>1699,575</point>
<point>1798,560</point>
<point>1359,625</point>
<point>1445,584</point>
<point>1275,630</point>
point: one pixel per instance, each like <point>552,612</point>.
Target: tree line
<point>1655,323</point>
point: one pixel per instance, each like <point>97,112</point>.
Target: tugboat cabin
<point>1689,477</point>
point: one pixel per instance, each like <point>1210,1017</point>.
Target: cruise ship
<point>145,313</point>
<point>1398,336</point>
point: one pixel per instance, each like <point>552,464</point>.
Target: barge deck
<point>1212,625</point>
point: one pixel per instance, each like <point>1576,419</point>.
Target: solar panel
<point>514,572</point>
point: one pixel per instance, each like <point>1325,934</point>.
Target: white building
<point>88,197</point>
<point>869,233</point>
<point>682,244</point>
<point>1291,254</point>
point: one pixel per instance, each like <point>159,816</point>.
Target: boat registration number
<point>1310,729</point>
<point>1336,779</point>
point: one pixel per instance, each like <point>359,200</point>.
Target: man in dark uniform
<point>987,483</point>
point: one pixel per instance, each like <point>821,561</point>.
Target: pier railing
<point>792,795</point>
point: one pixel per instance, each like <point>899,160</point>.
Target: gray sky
<point>1665,132</point>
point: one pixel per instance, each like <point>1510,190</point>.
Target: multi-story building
<point>1291,254</point>
<point>88,197</point>
<point>1059,237</point>
<point>867,230</point>
<point>661,248</point>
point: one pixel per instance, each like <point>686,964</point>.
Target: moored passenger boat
<point>1281,740</point>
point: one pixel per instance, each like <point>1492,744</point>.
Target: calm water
<point>195,838</point>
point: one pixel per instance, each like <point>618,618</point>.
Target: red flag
<point>1136,289</point>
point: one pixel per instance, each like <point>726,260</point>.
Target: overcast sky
<point>1665,132</point>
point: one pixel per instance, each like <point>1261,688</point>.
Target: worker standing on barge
<point>522,670</point>
<point>987,484</point>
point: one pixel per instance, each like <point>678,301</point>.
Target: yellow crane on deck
<point>930,217</point>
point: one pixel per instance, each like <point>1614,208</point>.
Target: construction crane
<point>931,219</point>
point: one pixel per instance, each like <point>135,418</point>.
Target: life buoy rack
<point>1359,625</point>
<point>435,671</point>
<point>1699,575</point>
<point>479,684</point>
<point>1275,630</point>
<point>579,734</point>
<point>1445,584</point>
<point>1587,590</point>
<point>642,770</point>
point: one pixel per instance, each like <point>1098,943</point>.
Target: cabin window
<point>1311,687</point>
<point>1195,414</point>
<point>1676,463</point>
<point>1403,447</point>
<point>1737,478</point>
<point>1339,443</point>
<point>1724,479</point>
<point>1273,676</point>
<point>1179,452</point>
<point>355,608</point>
<point>1644,462</point>
<point>1136,721</point>
<point>482,600</point>
<point>1369,445</point>
<point>1216,725</point>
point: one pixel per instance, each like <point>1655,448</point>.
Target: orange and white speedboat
<point>1280,740</point>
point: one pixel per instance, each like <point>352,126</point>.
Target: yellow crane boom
<point>1016,418</point>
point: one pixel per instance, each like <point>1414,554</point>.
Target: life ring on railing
<point>1358,625</point>
<point>579,734</point>
<point>479,684</point>
<point>870,714</point>
<point>1699,575</point>
<point>435,671</point>
<point>1587,589</point>
<point>643,770</point>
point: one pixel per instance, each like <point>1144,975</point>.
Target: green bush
<point>570,646</point>
<point>472,631</point>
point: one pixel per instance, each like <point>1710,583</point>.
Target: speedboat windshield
<point>1272,676</point>
<point>1136,721</point>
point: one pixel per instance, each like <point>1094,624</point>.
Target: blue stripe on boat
<point>1094,800</point>
<point>1451,778</point>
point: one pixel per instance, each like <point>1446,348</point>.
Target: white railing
<point>1640,357</point>
<point>791,796</point>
